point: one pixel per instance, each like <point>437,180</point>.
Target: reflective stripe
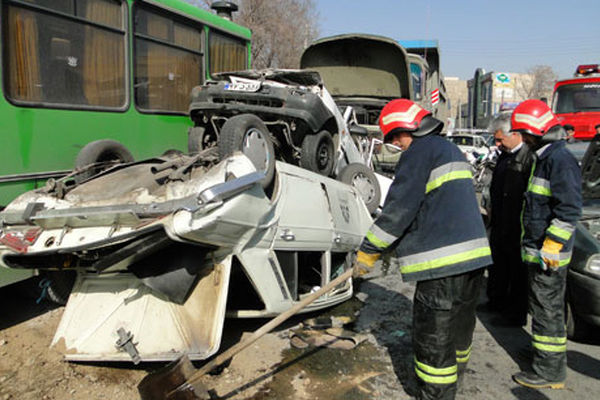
<point>379,237</point>
<point>448,172</point>
<point>540,186</point>
<point>536,122</point>
<point>440,380</point>
<point>550,347</point>
<point>431,374</point>
<point>550,339</point>
<point>533,256</point>
<point>462,356</point>
<point>443,256</point>
<point>561,229</point>
<point>399,116</point>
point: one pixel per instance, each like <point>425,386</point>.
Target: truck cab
<point>576,101</point>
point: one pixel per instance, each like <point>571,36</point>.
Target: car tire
<point>59,286</point>
<point>100,151</point>
<point>248,133</point>
<point>577,328</point>
<point>363,179</point>
<point>200,138</point>
<point>318,153</point>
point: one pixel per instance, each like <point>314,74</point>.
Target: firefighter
<point>551,209</point>
<point>507,281</point>
<point>432,218</point>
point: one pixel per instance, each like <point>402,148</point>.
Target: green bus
<point>91,80</point>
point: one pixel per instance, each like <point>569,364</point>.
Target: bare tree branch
<point>539,83</point>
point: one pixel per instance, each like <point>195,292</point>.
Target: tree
<point>539,84</point>
<point>280,29</point>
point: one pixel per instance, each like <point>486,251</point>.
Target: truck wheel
<point>360,177</point>
<point>101,151</point>
<point>200,138</point>
<point>248,134</point>
<point>318,153</point>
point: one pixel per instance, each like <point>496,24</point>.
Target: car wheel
<point>576,327</point>
<point>248,134</point>
<point>101,151</point>
<point>317,153</point>
<point>363,179</point>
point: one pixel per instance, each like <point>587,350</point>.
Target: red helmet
<point>402,114</point>
<point>533,117</point>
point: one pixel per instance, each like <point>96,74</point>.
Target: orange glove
<point>364,263</point>
<point>550,252</point>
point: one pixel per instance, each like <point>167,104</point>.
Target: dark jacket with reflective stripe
<point>552,202</point>
<point>431,213</point>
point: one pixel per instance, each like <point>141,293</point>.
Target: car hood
<point>360,65</point>
<point>590,170</point>
<point>285,76</point>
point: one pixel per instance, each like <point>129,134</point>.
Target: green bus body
<point>42,140</point>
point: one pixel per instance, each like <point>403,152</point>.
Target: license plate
<point>243,85</point>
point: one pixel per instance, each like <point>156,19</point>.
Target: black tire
<point>60,285</point>
<point>318,153</point>
<point>360,177</point>
<point>101,151</point>
<point>200,138</point>
<point>577,328</point>
<point>248,134</point>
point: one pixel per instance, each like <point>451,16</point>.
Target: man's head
<point>504,138</point>
<point>401,120</point>
<point>570,130</point>
<point>533,119</point>
<point>597,128</point>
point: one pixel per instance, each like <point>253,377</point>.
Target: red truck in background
<point>576,101</point>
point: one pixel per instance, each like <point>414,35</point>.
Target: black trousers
<point>443,323</point>
<point>507,284</point>
<point>547,307</point>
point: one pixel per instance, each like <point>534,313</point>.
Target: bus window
<point>416,73</point>
<point>226,53</point>
<point>75,59</point>
<point>168,62</point>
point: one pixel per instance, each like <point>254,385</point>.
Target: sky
<point>503,36</point>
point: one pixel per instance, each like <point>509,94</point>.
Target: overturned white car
<point>164,248</point>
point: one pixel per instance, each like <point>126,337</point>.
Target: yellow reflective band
<point>441,380</point>
<point>448,260</point>
<point>550,347</point>
<point>436,371</point>
<point>450,176</point>
<point>463,352</point>
<point>559,232</point>
<point>463,359</point>
<point>550,339</point>
<point>539,190</point>
<point>536,260</point>
<point>382,244</point>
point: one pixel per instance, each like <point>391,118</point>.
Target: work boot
<point>533,380</point>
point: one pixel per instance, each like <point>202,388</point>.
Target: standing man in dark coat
<point>507,282</point>
<point>432,218</point>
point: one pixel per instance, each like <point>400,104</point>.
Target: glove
<point>364,263</point>
<point>549,254</point>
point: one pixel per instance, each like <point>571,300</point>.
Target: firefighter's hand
<point>363,264</point>
<point>549,253</point>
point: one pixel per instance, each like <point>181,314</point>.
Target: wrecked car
<point>285,115</point>
<point>164,248</point>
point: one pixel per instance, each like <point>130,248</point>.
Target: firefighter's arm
<point>565,184</point>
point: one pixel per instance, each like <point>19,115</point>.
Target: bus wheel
<point>248,134</point>
<point>365,182</point>
<point>318,153</point>
<point>200,138</point>
<point>101,151</point>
